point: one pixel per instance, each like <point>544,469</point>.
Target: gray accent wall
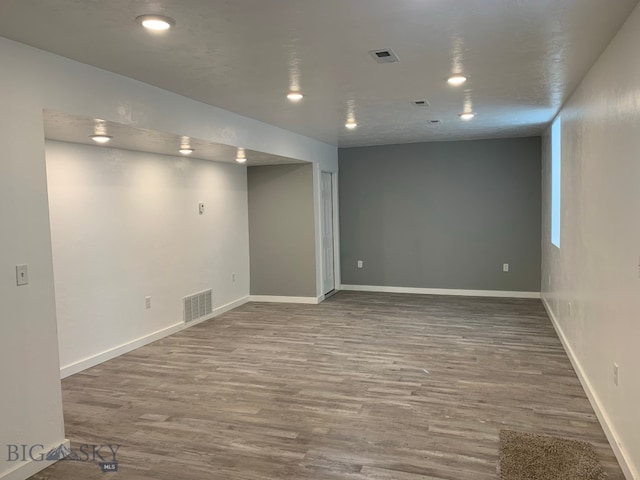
<point>282,230</point>
<point>442,214</point>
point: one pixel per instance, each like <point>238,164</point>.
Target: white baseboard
<point>442,291</point>
<point>630,472</point>
<point>24,470</point>
<point>277,299</point>
<point>98,358</point>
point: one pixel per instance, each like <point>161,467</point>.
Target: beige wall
<point>596,267</point>
<point>30,403</point>
<point>125,225</point>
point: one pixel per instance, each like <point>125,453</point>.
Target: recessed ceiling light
<point>241,156</point>
<point>295,96</point>
<point>100,138</point>
<point>467,116</point>
<point>157,23</point>
<point>186,150</point>
<point>351,124</point>
<point>456,80</point>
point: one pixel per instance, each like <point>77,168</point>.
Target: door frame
<point>336,235</point>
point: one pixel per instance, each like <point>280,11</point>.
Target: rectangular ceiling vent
<point>421,103</point>
<point>197,306</point>
<point>385,55</point>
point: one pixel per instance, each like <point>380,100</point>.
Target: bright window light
<point>556,179</point>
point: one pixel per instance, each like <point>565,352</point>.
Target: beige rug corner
<point>527,456</point>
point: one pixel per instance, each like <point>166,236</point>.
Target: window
<point>556,182</point>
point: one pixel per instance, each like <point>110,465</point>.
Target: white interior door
<point>328,274</point>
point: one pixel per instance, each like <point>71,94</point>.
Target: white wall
<point>30,398</point>
<point>596,267</point>
<point>32,80</point>
<point>125,225</point>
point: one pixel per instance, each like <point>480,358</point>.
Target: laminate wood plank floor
<point>364,386</point>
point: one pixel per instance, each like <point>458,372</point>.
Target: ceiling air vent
<point>421,103</point>
<point>385,55</point>
<point>435,122</point>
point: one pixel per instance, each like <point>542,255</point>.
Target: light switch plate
<point>22,275</point>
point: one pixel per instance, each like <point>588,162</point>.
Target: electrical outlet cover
<point>22,275</point>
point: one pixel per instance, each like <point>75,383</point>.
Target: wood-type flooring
<point>363,386</point>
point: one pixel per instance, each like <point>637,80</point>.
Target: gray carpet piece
<point>526,456</point>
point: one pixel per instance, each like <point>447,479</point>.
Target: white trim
<point>277,299</point>
<point>335,215</point>
<point>317,222</point>
<point>335,224</point>
<point>336,232</point>
<point>442,291</point>
<point>624,459</point>
<point>98,358</point>
<point>27,469</point>
<point>317,212</point>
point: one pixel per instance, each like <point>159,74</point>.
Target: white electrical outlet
<point>615,374</point>
<point>201,208</point>
<point>505,267</point>
<point>147,302</point>
<point>360,263</point>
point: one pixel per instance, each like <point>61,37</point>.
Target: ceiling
<point>522,57</point>
<point>71,128</point>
